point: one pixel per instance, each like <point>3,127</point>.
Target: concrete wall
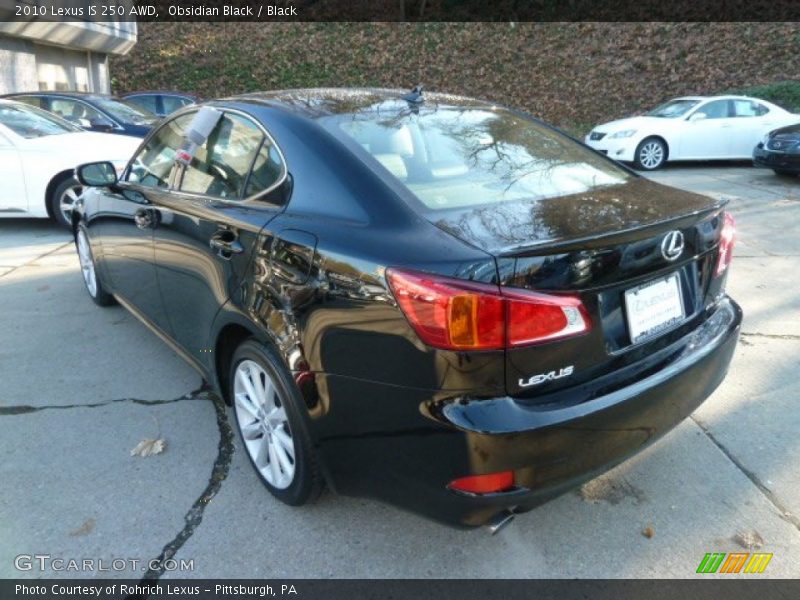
<point>17,65</point>
<point>60,56</point>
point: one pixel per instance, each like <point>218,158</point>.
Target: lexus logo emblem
<point>672,245</point>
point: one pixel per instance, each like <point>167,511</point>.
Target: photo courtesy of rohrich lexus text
<point>327,299</point>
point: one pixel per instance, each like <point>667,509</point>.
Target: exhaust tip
<point>500,520</point>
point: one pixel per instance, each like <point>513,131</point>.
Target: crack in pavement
<point>219,473</point>
<point>33,260</point>
<point>24,409</point>
<point>772,336</point>
<point>773,499</point>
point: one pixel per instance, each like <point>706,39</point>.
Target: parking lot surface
<point>81,386</point>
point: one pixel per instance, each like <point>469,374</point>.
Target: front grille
<point>596,136</point>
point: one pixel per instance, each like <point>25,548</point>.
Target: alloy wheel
<point>67,201</point>
<point>262,419</point>
<point>651,155</point>
<point>87,263</point>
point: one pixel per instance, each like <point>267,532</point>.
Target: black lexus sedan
<point>780,151</point>
<point>93,112</point>
<point>431,300</point>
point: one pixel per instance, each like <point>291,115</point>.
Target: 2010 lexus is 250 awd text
<point>422,298</point>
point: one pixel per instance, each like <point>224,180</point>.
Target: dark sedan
<point>427,299</point>
<point>93,112</point>
<point>780,151</point>
<point>161,103</point>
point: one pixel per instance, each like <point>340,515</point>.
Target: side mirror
<point>99,174</point>
<point>698,116</point>
<point>101,124</point>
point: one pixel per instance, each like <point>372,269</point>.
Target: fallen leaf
<point>85,529</point>
<point>749,539</point>
<point>149,447</point>
<point>649,531</point>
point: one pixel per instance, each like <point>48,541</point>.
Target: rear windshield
<point>454,158</point>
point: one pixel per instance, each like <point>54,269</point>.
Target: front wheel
<point>651,154</point>
<point>267,403</point>
<point>89,270</point>
<point>785,173</point>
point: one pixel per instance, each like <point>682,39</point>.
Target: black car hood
<point>516,227</point>
<point>790,130</point>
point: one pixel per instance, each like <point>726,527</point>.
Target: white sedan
<point>38,154</point>
<point>691,128</point>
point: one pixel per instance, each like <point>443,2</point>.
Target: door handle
<point>143,218</point>
<point>225,244</point>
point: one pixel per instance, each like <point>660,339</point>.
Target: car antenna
<point>415,96</point>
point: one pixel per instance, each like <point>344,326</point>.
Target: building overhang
<point>107,37</point>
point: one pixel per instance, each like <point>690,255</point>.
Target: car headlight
<point>626,133</point>
<point>765,139</point>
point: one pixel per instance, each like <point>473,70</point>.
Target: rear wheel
<point>89,271</point>
<point>266,404</point>
<point>651,154</point>
<point>63,199</point>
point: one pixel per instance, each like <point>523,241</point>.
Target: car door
<point>752,120</point>
<point>126,218</point>
<point>206,231</point>
<point>14,197</point>
<point>705,134</point>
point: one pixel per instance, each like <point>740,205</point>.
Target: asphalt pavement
<point>81,386</point>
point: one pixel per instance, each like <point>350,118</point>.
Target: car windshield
<point>29,122</point>
<point>673,109</point>
<point>451,158</point>
<point>125,111</point>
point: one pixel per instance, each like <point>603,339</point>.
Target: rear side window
<point>153,164</point>
<point>173,103</point>
<point>221,165</point>
<point>32,100</point>
<point>748,108</point>
<point>453,158</point>
<point>145,102</point>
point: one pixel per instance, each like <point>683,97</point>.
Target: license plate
<point>654,307</point>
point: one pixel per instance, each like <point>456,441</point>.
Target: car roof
<point>321,102</point>
<point>160,93</point>
<point>721,97</point>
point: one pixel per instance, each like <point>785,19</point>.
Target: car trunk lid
<point>599,246</point>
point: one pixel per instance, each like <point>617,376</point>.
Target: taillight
<point>462,315</point>
<point>726,240</point>
<point>484,484</point>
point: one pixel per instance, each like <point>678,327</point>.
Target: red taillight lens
<point>484,484</point>
<point>726,240</point>
<point>450,314</point>
<point>537,317</point>
<point>461,315</point>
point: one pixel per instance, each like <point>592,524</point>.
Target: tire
<point>91,279</point>
<point>271,427</point>
<point>651,154</point>
<point>785,173</point>
<point>61,200</point>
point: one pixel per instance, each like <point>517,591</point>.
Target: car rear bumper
<point>776,160</point>
<point>550,448</point>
